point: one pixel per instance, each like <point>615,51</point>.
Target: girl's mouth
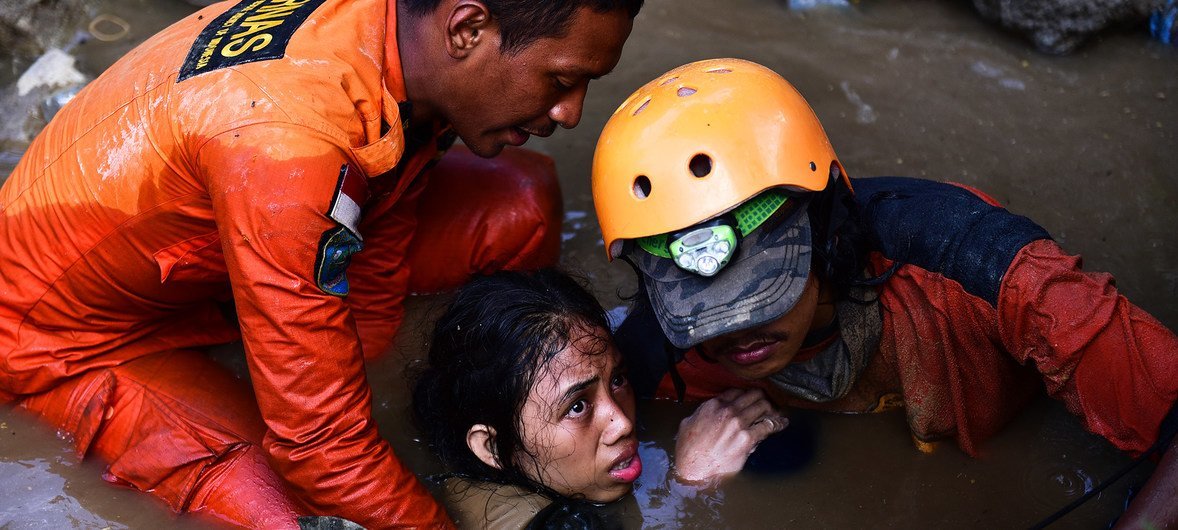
<point>627,469</point>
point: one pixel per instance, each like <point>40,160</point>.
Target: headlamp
<point>705,248</point>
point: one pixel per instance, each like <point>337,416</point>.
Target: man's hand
<point>1156,506</point>
<point>716,440</point>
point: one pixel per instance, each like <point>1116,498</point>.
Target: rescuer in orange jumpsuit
<point>257,171</point>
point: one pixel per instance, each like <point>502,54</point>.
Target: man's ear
<point>481,441</point>
<point>469,25</point>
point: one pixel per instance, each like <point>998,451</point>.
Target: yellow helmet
<point>699,141</point>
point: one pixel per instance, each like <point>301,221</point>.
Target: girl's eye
<point>578,408</point>
<point>618,381</point>
<point>561,85</point>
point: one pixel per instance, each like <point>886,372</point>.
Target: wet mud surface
<point>1084,144</point>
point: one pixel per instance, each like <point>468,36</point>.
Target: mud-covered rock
<point>38,75</point>
<point>1059,26</point>
<point>29,104</point>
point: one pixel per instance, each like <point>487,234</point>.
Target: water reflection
<point>32,495</point>
<point>1053,484</point>
<point>666,503</point>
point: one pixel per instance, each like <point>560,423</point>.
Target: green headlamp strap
<point>707,247</point>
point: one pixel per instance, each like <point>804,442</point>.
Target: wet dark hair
<point>522,22</point>
<point>842,243</point>
<point>486,351</point>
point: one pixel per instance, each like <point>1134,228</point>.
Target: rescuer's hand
<point>715,441</point>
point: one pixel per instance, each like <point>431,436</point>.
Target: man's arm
<point>1156,505</point>
<point>1112,364</point>
<point>272,189</point>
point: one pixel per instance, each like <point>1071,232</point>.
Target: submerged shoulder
<point>477,504</point>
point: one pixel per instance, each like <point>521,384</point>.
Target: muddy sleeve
<point>1113,364</point>
<point>272,189</point>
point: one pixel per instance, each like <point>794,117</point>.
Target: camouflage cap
<point>762,283</point>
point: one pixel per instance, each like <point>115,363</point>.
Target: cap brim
<point>762,283</point>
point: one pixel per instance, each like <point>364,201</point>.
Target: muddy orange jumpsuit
<point>254,153</point>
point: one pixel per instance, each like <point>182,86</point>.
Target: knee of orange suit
<point>242,489</point>
<point>477,216</point>
<point>174,424</point>
<point>76,409</point>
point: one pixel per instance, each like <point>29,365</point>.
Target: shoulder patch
<point>350,193</point>
<point>253,30</point>
<point>336,247</point>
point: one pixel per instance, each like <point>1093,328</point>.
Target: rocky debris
<point>55,69</point>
<point>41,90</point>
<point>1060,26</point>
<point>326,522</point>
<point>34,35</point>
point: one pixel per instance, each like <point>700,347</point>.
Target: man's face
<point>577,424</point>
<point>757,353</point>
<point>508,97</point>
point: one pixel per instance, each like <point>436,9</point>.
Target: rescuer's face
<point>511,96</point>
<point>757,353</point>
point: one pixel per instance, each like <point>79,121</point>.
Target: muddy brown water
<point>1084,144</point>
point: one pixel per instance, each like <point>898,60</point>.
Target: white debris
<point>1012,83</point>
<point>993,72</point>
<point>810,4</point>
<point>985,69</point>
<point>866,114</point>
<point>52,70</point>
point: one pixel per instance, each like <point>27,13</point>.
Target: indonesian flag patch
<point>350,193</point>
<point>337,245</point>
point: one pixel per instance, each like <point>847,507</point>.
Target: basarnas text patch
<point>253,30</point>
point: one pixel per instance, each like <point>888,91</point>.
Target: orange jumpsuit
<point>253,154</point>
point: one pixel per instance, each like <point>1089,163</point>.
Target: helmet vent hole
<point>685,91</point>
<point>719,71</point>
<point>701,165</point>
<point>668,80</point>
<point>813,166</point>
<point>642,187</point>
<point>641,107</point>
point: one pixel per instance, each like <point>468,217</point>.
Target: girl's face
<point>578,422</point>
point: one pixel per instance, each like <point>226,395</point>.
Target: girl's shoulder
<point>477,504</point>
